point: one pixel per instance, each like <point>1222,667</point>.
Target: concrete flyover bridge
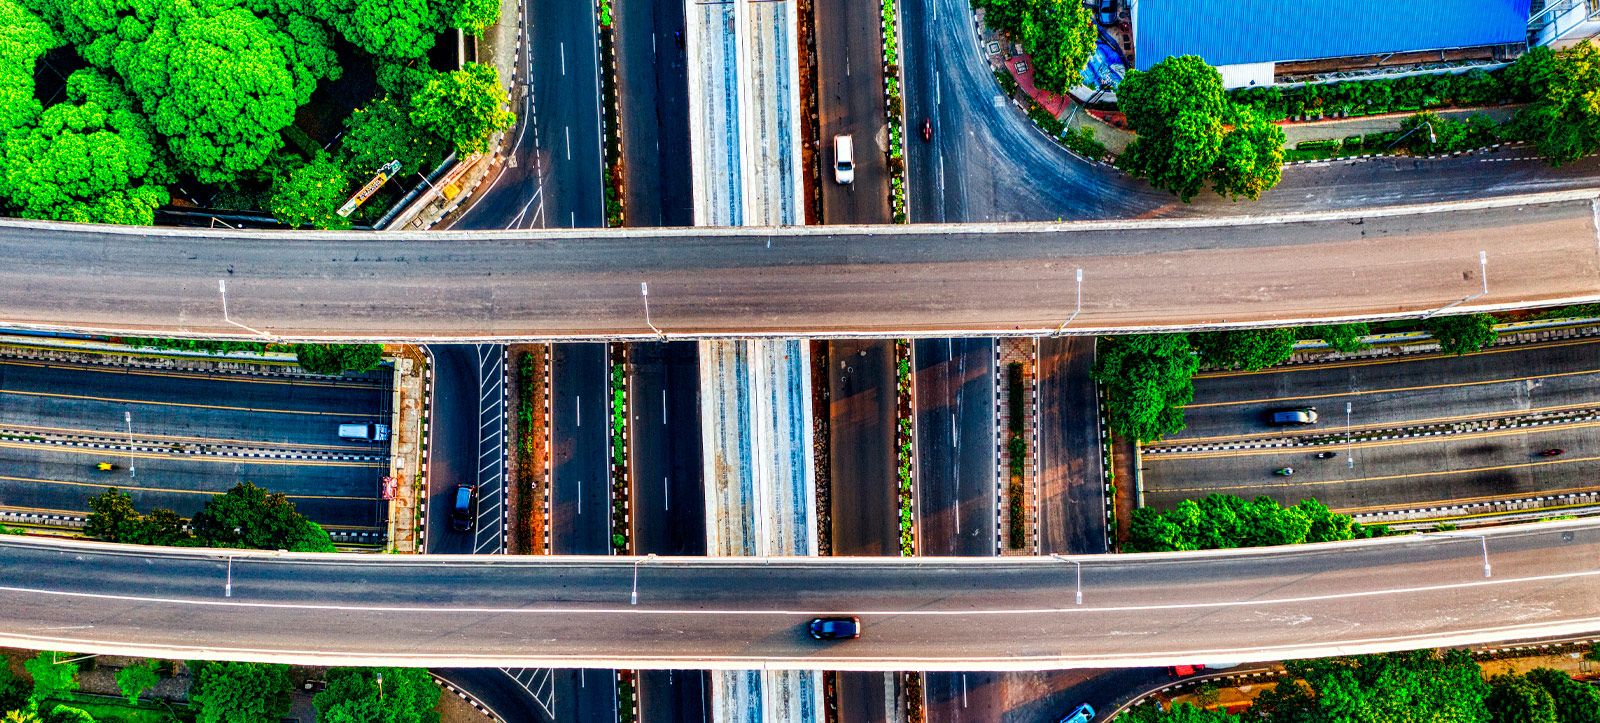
<point>741,613</point>
<point>927,280</point>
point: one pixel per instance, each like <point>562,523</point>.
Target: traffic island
<point>528,476</point>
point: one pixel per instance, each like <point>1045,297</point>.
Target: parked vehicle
<point>844,160</point>
<point>1105,13</point>
<point>1291,417</point>
<point>463,508</point>
<point>364,432</point>
<point>835,628</point>
<point>1082,714</point>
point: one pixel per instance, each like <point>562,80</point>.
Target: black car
<point>837,628</point>
<point>462,508</point>
<point>1106,12</point>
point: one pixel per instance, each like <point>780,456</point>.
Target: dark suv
<point>461,508</point>
<point>836,628</point>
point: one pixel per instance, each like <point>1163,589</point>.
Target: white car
<point>844,160</point>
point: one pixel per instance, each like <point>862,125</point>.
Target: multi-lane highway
<point>956,473</point>
<point>816,280</point>
<point>1072,499</point>
<point>177,437</point>
<point>467,446</point>
<point>1009,613</point>
<point>1425,431</point>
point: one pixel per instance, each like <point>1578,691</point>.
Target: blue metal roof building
<point>1236,32</point>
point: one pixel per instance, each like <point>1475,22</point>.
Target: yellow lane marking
<point>1371,444</point>
<point>98,485</point>
<point>186,374</point>
<point>186,405</point>
<point>1338,430</point>
<point>1384,478</point>
<point>1391,390</point>
<point>1395,360</point>
<point>117,434</point>
<point>120,454</point>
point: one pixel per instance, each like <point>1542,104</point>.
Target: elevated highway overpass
<point>740,613</point>
<point>923,280</point>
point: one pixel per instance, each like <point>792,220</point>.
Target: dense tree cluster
<point>1462,334</point>
<point>1148,378</point>
<point>1563,119</point>
<point>208,91</point>
<point>353,695</point>
<point>224,692</point>
<point>1059,35</point>
<point>246,516</point>
<point>334,359</point>
<point>1191,134</point>
<point>1220,522</point>
<point>1422,685</point>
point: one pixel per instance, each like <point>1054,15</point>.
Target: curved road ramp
<point>730,613</point>
<point>935,280</point>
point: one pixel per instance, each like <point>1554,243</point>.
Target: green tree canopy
<point>332,359</point>
<point>23,39</point>
<point>1339,337</point>
<point>91,160</point>
<point>1190,133</point>
<point>112,518</point>
<point>1218,522</point>
<point>135,679</point>
<point>464,107</point>
<point>311,195</point>
<point>1248,349</point>
<point>60,713</point>
<point>473,16</point>
<point>1515,699</point>
<point>13,691</point>
<point>49,677</point>
<point>1563,121</point>
<point>409,695</point>
<point>1059,35</point>
<point>1410,687</point>
<point>1462,334</point>
<point>1574,702</point>
<point>239,692</point>
<point>1149,379</point>
<point>1152,712</point>
<point>250,517</point>
<point>216,80</point>
<point>383,132</point>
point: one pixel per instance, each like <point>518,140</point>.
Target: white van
<point>364,432</point>
<point>844,160</point>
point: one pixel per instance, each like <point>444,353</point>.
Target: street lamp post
<point>1483,275</point>
<point>1349,449</point>
<point>222,288</point>
<point>127,416</point>
<point>1076,309</point>
<point>633,597</point>
<point>1432,137</point>
<point>1483,541</point>
<point>644,291</point>
<point>1077,596</point>
<point>380,686</point>
<point>227,588</point>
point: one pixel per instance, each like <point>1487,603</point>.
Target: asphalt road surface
<point>178,437</point>
<point>668,506</point>
<point>580,420</point>
<point>515,696</point>
<point>580,498</point>
<point>552,178</point>
<point>850,102</point>
<point>1425,430</point>
<point>1072,500</point>
<point>467,446</point>
<point>862,401</point>
<point>955,431</point>
<point>988,163</point>
<point>1151,610</point>
<point>652,72</point>
<point>881,279</point>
